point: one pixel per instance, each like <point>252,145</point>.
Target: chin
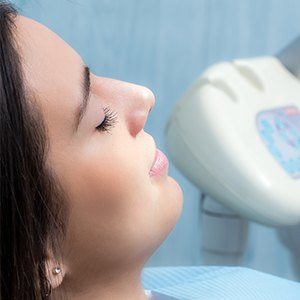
<point>176,188</point>
<point>178,193</point>
<point>174,203</point>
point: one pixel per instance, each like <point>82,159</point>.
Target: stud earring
<point>56,270</point>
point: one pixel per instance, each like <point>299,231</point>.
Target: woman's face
<point>119,214</point>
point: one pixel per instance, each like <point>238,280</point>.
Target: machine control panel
<point>279,129</point>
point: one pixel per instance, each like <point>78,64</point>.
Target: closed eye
<point>109,121</point>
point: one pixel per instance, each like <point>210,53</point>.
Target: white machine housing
<point>235,134</point>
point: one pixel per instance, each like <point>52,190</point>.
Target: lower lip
<point>160,165</point>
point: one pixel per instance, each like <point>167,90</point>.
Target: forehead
<point>52,71</point>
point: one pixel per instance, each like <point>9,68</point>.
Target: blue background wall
<point>164,45</point>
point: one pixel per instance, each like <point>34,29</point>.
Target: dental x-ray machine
<point>235,134</point>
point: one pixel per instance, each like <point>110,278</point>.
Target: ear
<point>55,271</point>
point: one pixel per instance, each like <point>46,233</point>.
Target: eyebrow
<point>85,95</point>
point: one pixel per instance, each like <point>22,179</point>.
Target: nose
<point>141,104</point>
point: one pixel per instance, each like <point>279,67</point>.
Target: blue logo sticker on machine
<point>280,130</point>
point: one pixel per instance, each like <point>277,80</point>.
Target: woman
<point>85,195</point>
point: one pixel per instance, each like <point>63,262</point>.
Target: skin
<point>119,214</point>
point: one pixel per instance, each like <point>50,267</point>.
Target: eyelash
<point>109,121</point>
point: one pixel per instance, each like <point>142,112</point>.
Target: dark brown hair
<point>32,203</point>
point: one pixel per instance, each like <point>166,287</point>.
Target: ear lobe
<point>55,272</point>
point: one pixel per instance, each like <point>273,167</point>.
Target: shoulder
<point>218,283</point>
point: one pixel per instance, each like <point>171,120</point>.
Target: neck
<point>113,285</point>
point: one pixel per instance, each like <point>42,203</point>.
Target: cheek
<point>112,185</point>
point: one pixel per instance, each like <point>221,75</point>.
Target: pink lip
<point>160,164</point>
